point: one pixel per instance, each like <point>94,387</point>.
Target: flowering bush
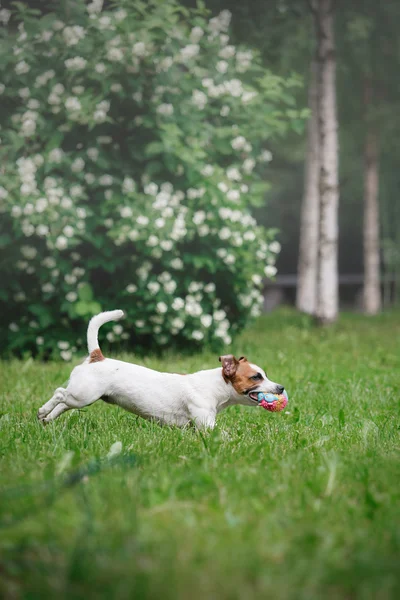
<point>133,143</point>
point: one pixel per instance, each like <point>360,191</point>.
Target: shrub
<point>133,145</point>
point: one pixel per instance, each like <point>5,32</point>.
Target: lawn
<point>303,504</point>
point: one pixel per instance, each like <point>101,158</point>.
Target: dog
<point>169,398</point>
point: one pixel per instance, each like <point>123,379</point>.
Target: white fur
<point>166,397</point>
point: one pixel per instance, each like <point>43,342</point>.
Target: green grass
<point>298,505</point>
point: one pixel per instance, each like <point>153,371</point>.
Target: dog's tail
<point>93,330</point>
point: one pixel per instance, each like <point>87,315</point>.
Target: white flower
<point>56,155</point>
<point>225,110</point>
<point>256,279</point>
<point>72,103</point>
<point>28,252</point>
<point>70,278</point>
<point>206,320</point>
<point>170,287</point>
<point>219,315</point>
<point>28,127</point>
<point>99,116</point>
<point>110,336</point>
<point>248,96</point>
<point>48,288</point>
<point>125,212</point>
<point>189,51</point>
<point>95,7</point>
<point>142,220</point>
<point>209,288</point>
<point>199,217</point>
<point>22,67</point>
<point>72,35</point>
<point>265,156</point>
<point>68,231</point>
<point>61,242</point>
<point>39,341</point>
<point>42,230</point>
<point>177,263</point>
<point>66,355</point>
<point>178,303</point>
<point>275,247</point>
<point>139,49</point>
<point>152,241</point>
<point>227,52</point>
<point>151,189</point>
<point>222,187</point>
<point>100,68</point>
<point>105,180</point>
<point>178,323</point>
<point>24,93</point>
<point>270,271</point>
<point>248,165</point>
<point>128,185</point>
<point>220,22</point>
<point>225,233</point>
<point>13,327</point>
<point>222,66</point>
<point>249,236</point>
<point>165,109</point>
<point>78,165</point>
<point>161,307</point>
<point>5,15</point>
<point>197,335</point>
<point>233,174</point>
<point>238,143</point>
<point>115,54</point>
<point>131,288</point>
<point>199,99</point>
<point>233,195</point>
<point>196,34</point>
<point>120,14</point>
<point>71,296</point>
<point>207,170</point>
<point>166,245</point>
<point>3,193</point>
<point>75,64</point>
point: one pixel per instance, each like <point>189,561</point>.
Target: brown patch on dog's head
<point>238,372</point>
<point>96,356</point>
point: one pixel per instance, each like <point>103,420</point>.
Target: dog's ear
<point>229,366</point>
<point>243,359</point>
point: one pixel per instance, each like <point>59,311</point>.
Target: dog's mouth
<point>253,395</point>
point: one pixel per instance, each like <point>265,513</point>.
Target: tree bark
<point>371,291</point>
<point>308,251</point>
<point>327,275</point>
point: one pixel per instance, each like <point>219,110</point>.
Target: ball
<point>273,402</point>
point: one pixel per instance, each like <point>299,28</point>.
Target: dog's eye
<point>256,377</point>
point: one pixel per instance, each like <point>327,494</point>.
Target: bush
<point>133,144</point>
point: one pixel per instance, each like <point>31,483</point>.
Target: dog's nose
<point>280,389</point>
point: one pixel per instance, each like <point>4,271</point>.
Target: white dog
<point>165,397</point>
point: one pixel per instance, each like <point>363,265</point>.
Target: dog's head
<point>246,380</point>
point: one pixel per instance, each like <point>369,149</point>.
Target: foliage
<point>301,505</point>
<point>134,143</point>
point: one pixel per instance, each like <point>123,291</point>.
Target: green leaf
<point>85,293</point>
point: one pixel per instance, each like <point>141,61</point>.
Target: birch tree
<point>327,273</point>
<point>371,291</point>
<point>309,220</point>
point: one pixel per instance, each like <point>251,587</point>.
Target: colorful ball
<point>273,402</point>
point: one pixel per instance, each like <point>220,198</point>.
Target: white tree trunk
<point>372,291</point>
<point>308,251</point>
<point>327,277</point>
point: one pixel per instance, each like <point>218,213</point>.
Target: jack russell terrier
<point>168,398</point>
